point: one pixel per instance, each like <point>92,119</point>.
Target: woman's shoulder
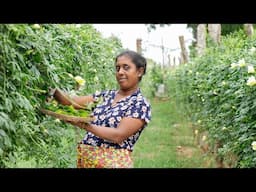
<point>104,92</point>
<point>141,98</point>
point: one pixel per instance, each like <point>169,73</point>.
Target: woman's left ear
<point>141,71</point>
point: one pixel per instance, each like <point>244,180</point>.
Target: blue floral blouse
<point>135,106</point>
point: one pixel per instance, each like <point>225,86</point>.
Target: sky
<point>157,44</point>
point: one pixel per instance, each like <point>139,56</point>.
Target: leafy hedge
<point>34,58</point>
<point>219,91</point>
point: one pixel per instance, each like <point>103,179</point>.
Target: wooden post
<point>248,29</point>
<point>169,60</point>
<point>162,47</point>
<point>201,39</point>
<point>184,53</point>
<point>179,60</point>
<point>174,60</point>
<point>214,31</point>
<point>138,45</point>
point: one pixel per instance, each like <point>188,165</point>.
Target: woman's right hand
<point>65,99</point>
<point>61,97</point>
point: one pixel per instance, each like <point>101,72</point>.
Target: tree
<point>151,27</point>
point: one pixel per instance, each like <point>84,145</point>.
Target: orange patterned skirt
<point>100,157</point>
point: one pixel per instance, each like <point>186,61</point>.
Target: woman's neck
<point>126,92</point>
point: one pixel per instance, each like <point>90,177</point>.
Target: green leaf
<point>8,105</point>
<point>23,102</point>
<point>2,132</point>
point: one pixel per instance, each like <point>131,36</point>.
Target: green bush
<point>214,87</point>
<point>34,58</point>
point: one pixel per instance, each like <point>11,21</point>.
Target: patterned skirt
<point>89,156</point>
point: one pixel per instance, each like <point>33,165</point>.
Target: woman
<point>119,119</point>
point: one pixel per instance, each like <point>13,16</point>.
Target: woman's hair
<point>136,58</point>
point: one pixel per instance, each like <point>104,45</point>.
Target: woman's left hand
<point>79,124</point>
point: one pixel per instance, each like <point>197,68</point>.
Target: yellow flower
<point>79,80</point>
<point>57,120</point>
<point>251,81</point>
<point>250,69</point>
<point>36,26</point>
<point>241,63</point>
<point>45,131</point>
<point>254,145</point>
<point>223,83</point>
<point>196,132</point>
<point>233,65</point>
<point>204,138</point>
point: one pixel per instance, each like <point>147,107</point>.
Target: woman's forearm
<point>82,100</point>
<point>126,128</point>
<point>111,134</point>
<point>77,101</point>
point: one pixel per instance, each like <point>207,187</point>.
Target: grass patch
<point>168,142</point>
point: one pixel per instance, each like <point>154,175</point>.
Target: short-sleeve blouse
<point>135,106</point>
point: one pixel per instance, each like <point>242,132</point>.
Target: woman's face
<point>127,75</point>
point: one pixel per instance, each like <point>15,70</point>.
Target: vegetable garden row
<point>218,89</point>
